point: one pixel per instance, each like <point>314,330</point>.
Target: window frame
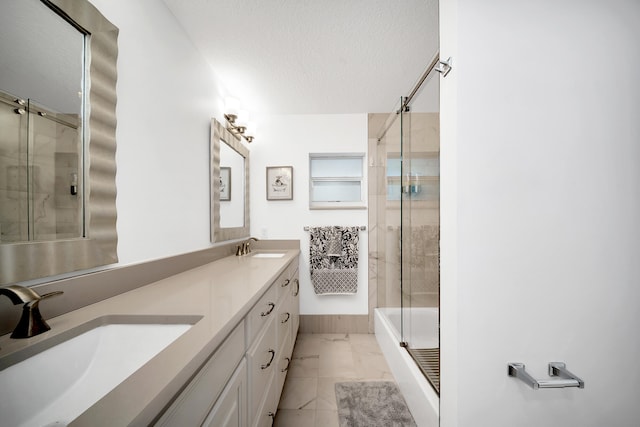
<point>340,204</point>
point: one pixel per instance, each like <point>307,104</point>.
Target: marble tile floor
<point>319,361</point>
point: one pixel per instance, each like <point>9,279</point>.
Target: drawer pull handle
<point>295,294</point>
<point>272,416</point>
<point>287,319</point>
<point>285,284</point>
<point>273,354</point>
<point>285,369</point>
<point>268,312</point>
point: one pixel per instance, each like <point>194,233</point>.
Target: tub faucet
<point>245,247</point>
<point>31,323</point>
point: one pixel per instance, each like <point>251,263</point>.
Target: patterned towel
<point>333,256</point>
<point>334,242</point>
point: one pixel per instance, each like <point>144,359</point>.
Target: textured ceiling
<point>312,56</point>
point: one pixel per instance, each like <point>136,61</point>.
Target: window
<point>336,181</point>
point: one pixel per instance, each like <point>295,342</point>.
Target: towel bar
<point>362,227</point>
<point>556,369</point>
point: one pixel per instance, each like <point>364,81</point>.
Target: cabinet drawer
<point>284,361</point>
<point>193,404</point>
<point>260,314</point>
<point>284,282</point>
<point>295,305</point>
<point>262,360</point>
<point>284,319</point>
<point>283,286</point>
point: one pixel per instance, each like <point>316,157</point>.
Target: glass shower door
<point>406,148</point>
<point>14,212</point>
<point>421,233</point>
<point>41,198</point>
<point>55,174</point>
<point>405,224</point>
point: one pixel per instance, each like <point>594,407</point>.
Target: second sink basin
<point>71,371</point>
<point>268,255</point>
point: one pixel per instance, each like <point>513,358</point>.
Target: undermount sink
<point>54,381</point>
<point>268,255</point>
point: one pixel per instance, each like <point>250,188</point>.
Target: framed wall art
<point>225,184</point>
<point>279,182</point>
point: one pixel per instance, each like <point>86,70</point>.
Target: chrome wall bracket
<point>563,378</point>
<point>444,67</point>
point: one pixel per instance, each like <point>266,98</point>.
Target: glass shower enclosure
<point>408,220</point>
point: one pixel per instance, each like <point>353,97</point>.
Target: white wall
<point>167,95</point>
<point>287,141</point>
<point>540,210</point>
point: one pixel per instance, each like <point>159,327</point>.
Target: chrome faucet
<point>245,247</point>
<point>31,323</point>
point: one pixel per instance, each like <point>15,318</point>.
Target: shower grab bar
<point>556,369</point>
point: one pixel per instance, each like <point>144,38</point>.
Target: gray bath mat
<point>372,403</point>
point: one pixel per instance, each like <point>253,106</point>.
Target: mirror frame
<point>34,260</point>
<point>220,133</point>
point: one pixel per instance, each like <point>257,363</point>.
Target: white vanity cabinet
<point>240,385</point>
<point>230,409</point>
<point>195,403</point>
<point>268,363</point>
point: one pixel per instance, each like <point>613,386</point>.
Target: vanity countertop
<point>222,292</point>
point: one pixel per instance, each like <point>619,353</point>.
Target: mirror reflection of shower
<point>41,102</point>
<point>40,166</point>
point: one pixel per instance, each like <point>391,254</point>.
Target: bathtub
<point>422,400</point>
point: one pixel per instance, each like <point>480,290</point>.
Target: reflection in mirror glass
<point>231,187</point>
<point>41,99</point>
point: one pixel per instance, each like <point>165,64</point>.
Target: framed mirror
<point>229,181</point>
<point>57,177</point>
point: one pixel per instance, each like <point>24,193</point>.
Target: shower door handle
<point>556,369</point>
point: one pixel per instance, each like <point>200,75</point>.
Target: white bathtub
<point>422,400</point>
<point>421,325</point>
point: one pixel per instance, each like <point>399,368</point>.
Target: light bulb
<point>243,118</point>
<point>231,107</point>
<point>251,129</point>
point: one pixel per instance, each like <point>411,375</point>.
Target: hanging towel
<point>334,241</point>
<point>333,256</point>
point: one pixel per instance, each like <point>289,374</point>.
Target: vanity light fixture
<point>237,120</point>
